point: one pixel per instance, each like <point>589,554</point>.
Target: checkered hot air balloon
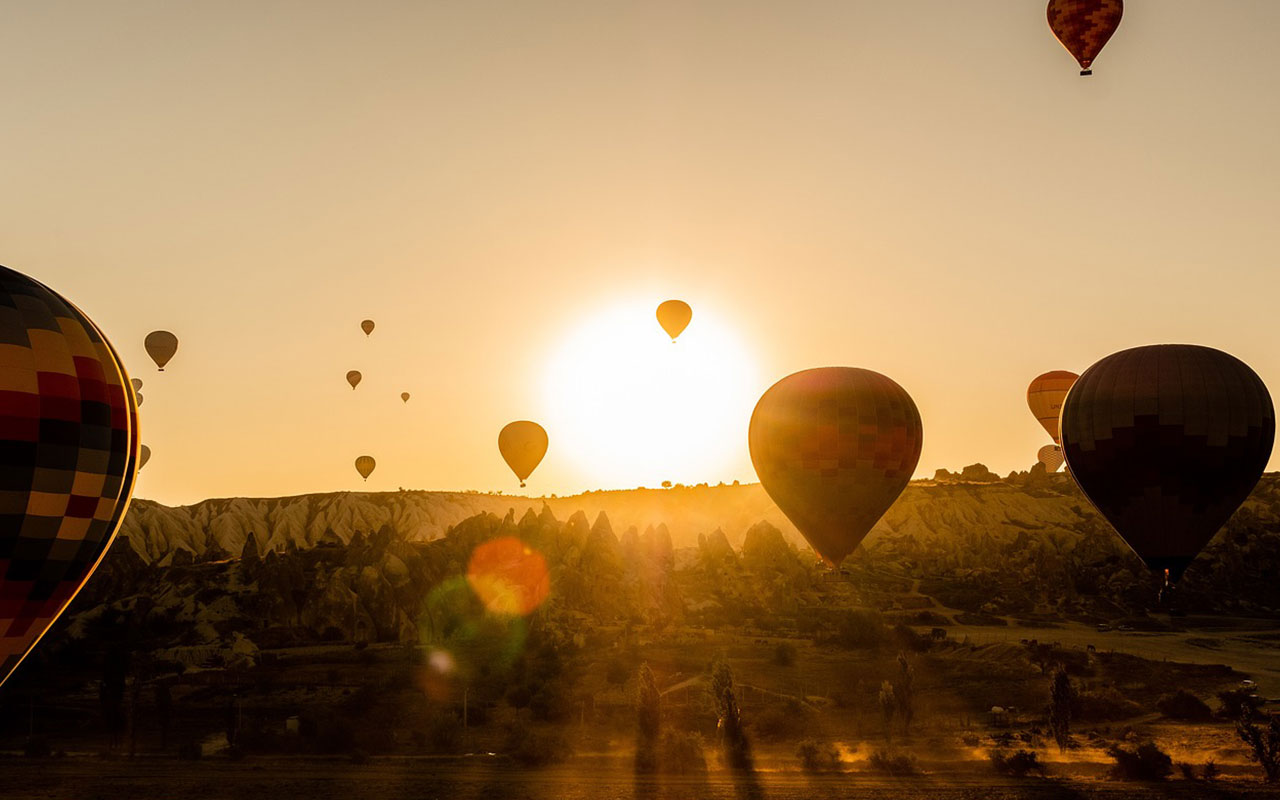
<point>834,447</point>
<point>1084,26</point>
<point>1167,441</point>
<point>68,457</point>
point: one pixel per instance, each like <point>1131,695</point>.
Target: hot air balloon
<point>834,447</point>
<point>365,465</point>
<point>674,316</point>
<point>1051,456</point>
<point>404,396</point>
<point>367,326</point>
<point>522,444</point>
<point>161,346</point>
<point>69,449</point>
<point>136,383</point>
<point>139,398</point>
<point>1084,26</point>
<point>144,455</point>
<point>353,378</point>
<point>1167,441</point>
<point>1045,396</point>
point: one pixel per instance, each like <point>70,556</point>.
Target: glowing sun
<point>629,408</point>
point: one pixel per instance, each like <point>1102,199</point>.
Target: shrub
<point>1106,705</point>
<point>1019,765</point>
<point>682,753</point>
<point>1210,772</point>
<point>531,748</point>
<point>1233,700</point>
<point>1184,705</point>
<point>1147,763</point>
<point>890,764</point>
<point>817,756</point>
<point>784,655</point>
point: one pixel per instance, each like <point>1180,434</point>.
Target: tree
<point>733,739</point>
<point>904,692</point>
<point>888,706</point>
<point>1062,696</point>
<point>648,720</point>
<point>1264,745</point>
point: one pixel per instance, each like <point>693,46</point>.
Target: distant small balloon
<point>365,465</point>
<point>137,384</point>
<point>674,316</point>
<point>522,444</point>
<point>353,378</point>
<point>1084,27</point>
<point>1045,396</point>
<point>1051,456</point>
<point>144,455</point>
<point>161,346</point>
<point>367,326</point>
<point>140,398</point>
<point>404,396</point>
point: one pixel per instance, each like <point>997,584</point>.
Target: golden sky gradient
<point>926,189</point>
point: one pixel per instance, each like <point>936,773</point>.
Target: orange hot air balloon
<point>365,466</point>
<point>404,396</point>
<point>161,346</point>
<point>1084,26</point>
<point>1045,396</point>
<point>1051,456</point>
<point>834,447</point>
<point>674,316</point>
<point>367,326</point>
<point>522,444</point>
<point>1167,441</point>
<point>69,448</point>
<point>353,378</point>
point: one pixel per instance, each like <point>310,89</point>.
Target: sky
<point>508,189</point>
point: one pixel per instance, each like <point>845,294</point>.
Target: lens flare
<point>508,576</point>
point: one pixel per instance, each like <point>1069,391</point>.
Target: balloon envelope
<point>674,316</point>
<point>353,378</point>
<point>1045,396</point>
<point>522,444</point>
<point>365,465</point>
<point>1167,441</point>
<point>68,447</point>
<point>1084,26</point>
<point>136,383</point>
<point>404,396</point>
<point>834,447</point>
<point>144,455</point>
<point>161,346</point>
<point>1051,456</point>
<point>367,326</point>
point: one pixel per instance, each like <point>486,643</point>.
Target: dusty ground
<point>426,779</point>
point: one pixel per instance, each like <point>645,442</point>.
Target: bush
<point>682,753</point>
<point>1147,763</point>
<point>784,655</point>
<point>817,756</point>
<point>780,722</point>
<point>889,764</point>
<point>1233,700</point>
<point>1184,705</point>
<point>531,748</point>
<point>1106,705</point>
<point>860,629</point>
<point>1019,765</point>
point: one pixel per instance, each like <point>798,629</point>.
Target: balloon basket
<point>1084,73</point>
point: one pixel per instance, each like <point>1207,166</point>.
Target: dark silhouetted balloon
<point>1045,396</point>
<point>139,398</point>
<point>161,346</point>
<point>522,444</point>
<point>1051,456</point>
<point>1167,441</point>
<point>674,316</point>
<point>144,455</point>
<point>136,383</point>
<point>69,452</point>
<point>1084,26</point>
<point>404,396</point>
<point>365,465</point>
<point>834,447</point>
<point>367,326</point>
<point>353,378</point>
